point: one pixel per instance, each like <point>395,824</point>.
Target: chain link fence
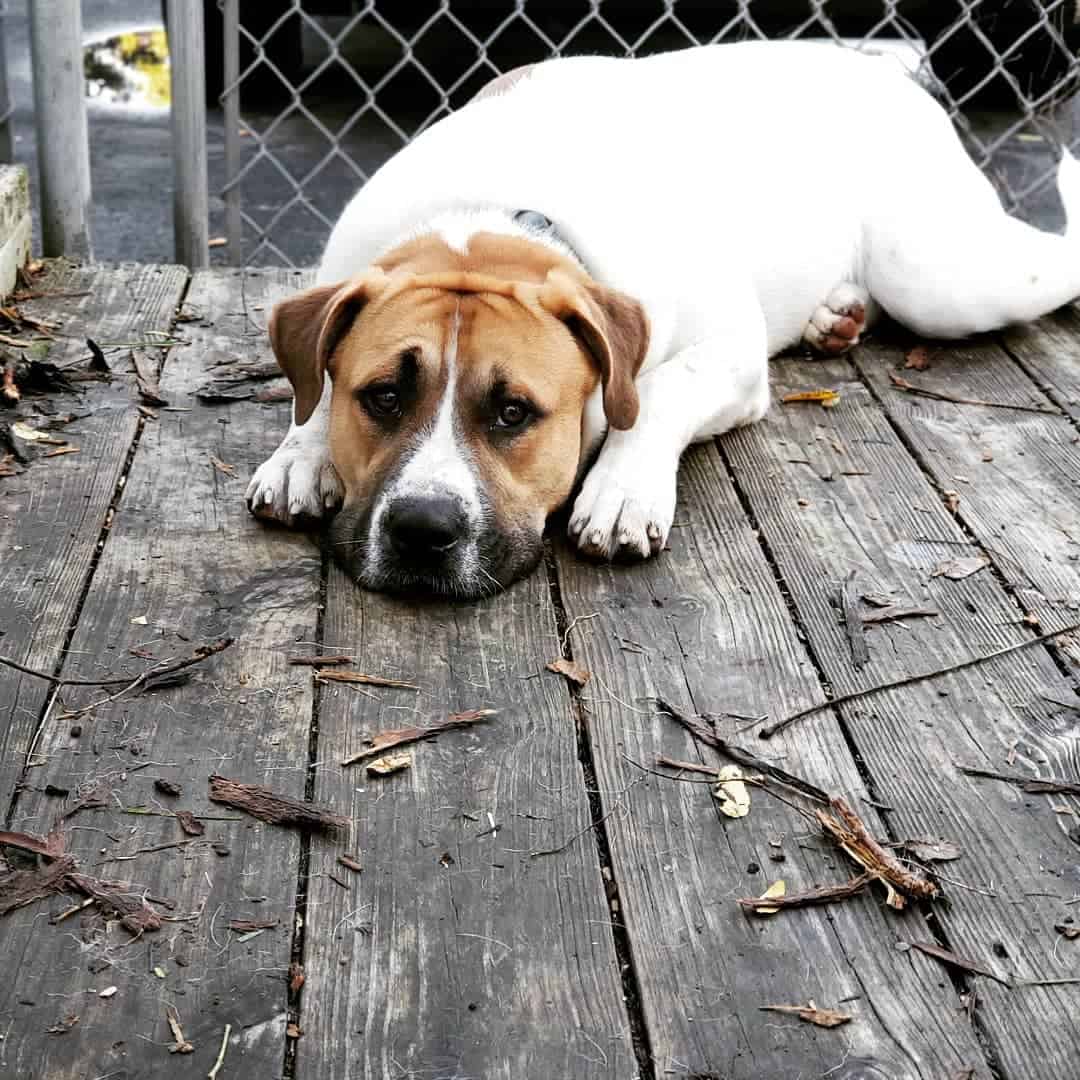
<point>318,93</point>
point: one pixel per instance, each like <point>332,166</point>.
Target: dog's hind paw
<point>624,514</point>
<point>297,482</point>
<point>836,324</point>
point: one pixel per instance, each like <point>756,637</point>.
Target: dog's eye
<point>382,400</point>
<point>512,414</point>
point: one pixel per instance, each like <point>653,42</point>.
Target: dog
<point>587,268</point>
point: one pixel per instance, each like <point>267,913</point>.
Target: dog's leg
<point>298,480</point>
<point>959,266</point>
<point>627,501</point>
<point>840,319</point>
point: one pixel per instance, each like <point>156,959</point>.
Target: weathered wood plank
<point>706,628</point>
<point>52,514</point>
<point>454,952</point>
<point>184,564</point>
<point>835,491</point>
<point>1016,474</point>
<point>1049,350</point>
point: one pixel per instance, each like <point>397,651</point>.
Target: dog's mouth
<point>422,558</point>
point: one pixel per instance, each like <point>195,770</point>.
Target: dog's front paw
<point>624,513</point>
<point>298,481</point>
<point>837,322</point>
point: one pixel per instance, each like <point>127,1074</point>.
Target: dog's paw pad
<point>836,324</point>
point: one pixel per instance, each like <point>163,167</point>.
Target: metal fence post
<point>7,137</point>
<point>187,67</point>
<point>234,227</point>
<point>63,148</point>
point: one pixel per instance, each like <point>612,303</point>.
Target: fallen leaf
<point>446,859</point>
<point>952,501</point>
<point>139,620</point>
<point>827,399</point>
<point>296,977</point>
<point>930,850</point>
<point>811,1014</point>
<point>959,568</point>
<point>189,823</point>
<point>1070,933</point>
<point>776,889</point>
<point>63,1026</point>
<point>390,763</point>
<point>731,792</point>
<point>879,600</point>
<point>988,455</point>
<point>108,992</point>
<point>918,359</point>
<point>159,972</point>
<point>293,1031</point>
<point>895,612</point>
<point>574,672</point>
<point>29,434</point>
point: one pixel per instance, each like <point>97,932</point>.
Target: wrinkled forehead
<point>492,340</point>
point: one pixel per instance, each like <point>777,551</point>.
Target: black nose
<point>425,528</point>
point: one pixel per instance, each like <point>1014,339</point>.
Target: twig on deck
<point>770,730</point>
<point>212,1074</point>
<point>937,395</point>
<point>592,824</point>
<point>825,895</point>
<point>741,755</point>
<point>1033,785</point>
<point>386,740</point>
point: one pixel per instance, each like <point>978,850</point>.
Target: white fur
<point>730,189</point>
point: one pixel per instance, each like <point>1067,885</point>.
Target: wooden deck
<point>533,903</point>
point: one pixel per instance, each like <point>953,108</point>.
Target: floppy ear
<point>306,328</point>
<point>613,328</point>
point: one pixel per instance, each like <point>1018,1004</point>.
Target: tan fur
<point>526,316</point>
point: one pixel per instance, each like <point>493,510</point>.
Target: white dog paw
<point>836,324</point>
<point>297,481</point>
<point>624,514</point>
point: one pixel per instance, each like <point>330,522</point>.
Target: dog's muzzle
<point>425,531</point>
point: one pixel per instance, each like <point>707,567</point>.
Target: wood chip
<point>61,451</point>
<point>1031,784</point>
<point>21,887</point>
<point>811,1014</point>
<point>574,672</point>
<point>827,399</point>
<point>366,680</point>
<point>146,378</point>
<point>108,992</point>
<point>896,612</point>
<point>386,740</point>
<point>221,466</point>
<point>119,900</point>
<point>180,1044</point>
<point>296,978</point>
<point>245,926</point>
<point>390,763</point>
<point>350,863</point>
<point>189,823</point>
<point>731,792</point>
<point>167,787</point>
<point>962,567</point>
<point>320,661</point>
<point>269,806</point>
<point>62,1027</point>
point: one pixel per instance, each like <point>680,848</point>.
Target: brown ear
<point>306,328</point>
<point>614,329</point>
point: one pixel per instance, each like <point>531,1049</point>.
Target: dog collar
<point>540,224</point>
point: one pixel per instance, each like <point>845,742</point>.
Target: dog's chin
<point>483,566</point>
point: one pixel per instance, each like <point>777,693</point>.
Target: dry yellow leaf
<point>732,793</point>
<point>390,763</point>
<point>773,892</point>
<point>30,434</point>
<point>827,399</point>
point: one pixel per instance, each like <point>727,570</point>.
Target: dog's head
<point>459,388</point>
